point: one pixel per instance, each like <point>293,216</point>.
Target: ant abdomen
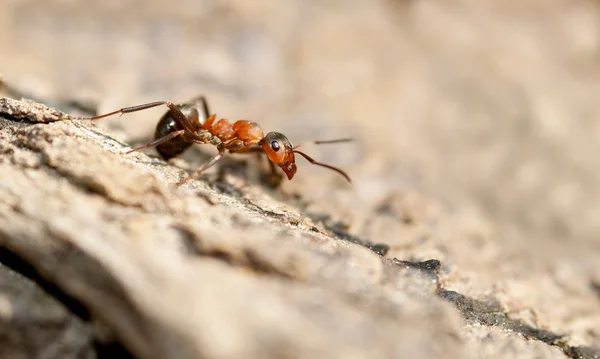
<point>167,125</point>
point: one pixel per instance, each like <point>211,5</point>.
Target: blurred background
<point>477,122</point>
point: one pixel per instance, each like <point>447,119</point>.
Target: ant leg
<point>176,113</point>
<point>157,141</point>
<point>205,107</point>
<point>276,177</point>
<point>128,110</point>
<point>206,166</point>
<point>202,105</point>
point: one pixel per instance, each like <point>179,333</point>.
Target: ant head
<point>280,151</point>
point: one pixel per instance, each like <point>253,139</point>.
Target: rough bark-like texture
<point>196,272</point>
<point>208,270</point>
<point>35,325</point>
<point>476,127</point>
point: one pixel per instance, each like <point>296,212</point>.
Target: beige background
<point>479,120</point>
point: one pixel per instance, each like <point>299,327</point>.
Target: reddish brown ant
<point>189,123</point>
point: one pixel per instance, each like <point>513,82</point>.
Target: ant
<point>189,123</point>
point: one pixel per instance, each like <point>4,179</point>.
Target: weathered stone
<point>476,145</point>
<point>35,325</point>
<point>175,275</point>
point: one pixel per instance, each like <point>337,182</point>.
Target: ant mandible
<point>189,123</point>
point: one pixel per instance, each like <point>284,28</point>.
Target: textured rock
<point>195,272</point>
<point>199,271</point>
<point>35,325</point>
<point>477,141</point>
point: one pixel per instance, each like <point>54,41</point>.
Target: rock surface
<point>35,325</point>
<point>210,270</point>
<point>477,140</point>
<point>196,272</point>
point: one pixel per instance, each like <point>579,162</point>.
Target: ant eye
<point>275,146</point>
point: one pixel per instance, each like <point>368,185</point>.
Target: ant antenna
<point>339,140</point>
<point>309,159</point>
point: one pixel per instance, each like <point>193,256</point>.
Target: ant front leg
<point>274,178</point>
<point>206,166</point>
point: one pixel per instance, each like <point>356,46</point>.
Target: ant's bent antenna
<point>309,159</point>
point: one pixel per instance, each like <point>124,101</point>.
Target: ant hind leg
<point>158,141</point>
<point>202,106</point>
<point>127,110</point>
<point>176,114</point>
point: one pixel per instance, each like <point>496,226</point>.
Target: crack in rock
<point>490,314</point>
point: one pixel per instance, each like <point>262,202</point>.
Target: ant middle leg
<point>206,166</point>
